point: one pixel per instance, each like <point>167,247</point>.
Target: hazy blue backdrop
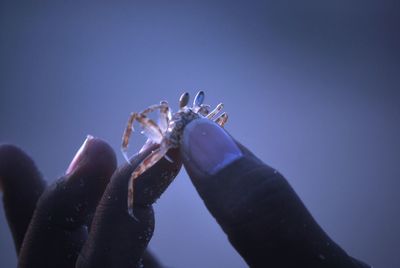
<point>312,87</point>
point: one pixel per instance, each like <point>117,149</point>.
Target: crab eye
<point>183,100</point>
<point>198,100</point>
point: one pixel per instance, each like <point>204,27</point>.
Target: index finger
<point>22,185</point>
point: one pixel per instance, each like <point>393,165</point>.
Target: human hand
<point>49,224</point>
<point>263,217</point>
<point>255,206</point>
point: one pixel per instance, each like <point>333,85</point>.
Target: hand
<point>49,224</point>
<point>262,216</point>
<point>255,206</point>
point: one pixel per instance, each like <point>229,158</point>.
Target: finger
<point>21,184</point>
<point>57,232</point>
<point>116,239</point>
<point>263,217</point>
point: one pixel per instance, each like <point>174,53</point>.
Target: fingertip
<point>150,185</point>
<point>95,158</point>
<point>131,236</point>
<point>65,205</point>
<point>73,198</point>
<point>88,174</point>
<point>22,185</point>
<point>57,230</point>
<point>18,171</point>
<point>207,148</point>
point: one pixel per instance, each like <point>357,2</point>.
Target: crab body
<point>178,123</point>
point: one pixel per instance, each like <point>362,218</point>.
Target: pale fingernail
<point>80,156</point>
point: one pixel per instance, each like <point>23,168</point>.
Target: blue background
<point>312,87</point>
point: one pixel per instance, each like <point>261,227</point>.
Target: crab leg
<point>215,111</point>
<point>161,106</point>
<point>127,135</point>
<point>150,129</point>
<point>165,116</point>
<point>221,120</point>
<point>147,163</point>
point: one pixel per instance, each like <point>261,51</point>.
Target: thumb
<point>263,217</point>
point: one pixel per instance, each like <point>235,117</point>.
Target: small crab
<point>167,132</point>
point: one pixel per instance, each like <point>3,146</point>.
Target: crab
<point>167,132</point>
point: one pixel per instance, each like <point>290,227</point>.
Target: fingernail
<point>80,156</point>
<point>208,146</point>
